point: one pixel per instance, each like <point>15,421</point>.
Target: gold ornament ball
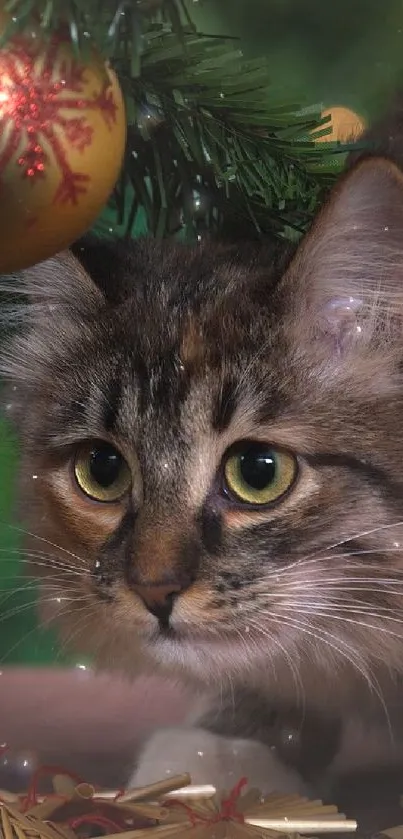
<point>346,125</point>
<point>62,140</point>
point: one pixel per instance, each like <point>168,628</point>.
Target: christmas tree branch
<point>103,22</point>
<point>209,140</point>
<point>210,137</point>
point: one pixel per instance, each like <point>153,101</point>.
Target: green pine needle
<point>210,142</point>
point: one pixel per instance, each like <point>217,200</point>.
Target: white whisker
<point>345,651</point>
<point>26,532</point>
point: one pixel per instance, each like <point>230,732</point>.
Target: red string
<point>96,819</point>
<point>228,805</point>
<point>228,811</point>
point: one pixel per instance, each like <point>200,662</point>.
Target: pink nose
<point>159,599</point>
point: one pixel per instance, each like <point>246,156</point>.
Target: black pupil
<point>258,467</point>
<point>105,465</point>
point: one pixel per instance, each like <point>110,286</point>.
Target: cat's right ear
<point>345,283</point>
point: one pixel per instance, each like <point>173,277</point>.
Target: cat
<point>211,471</point>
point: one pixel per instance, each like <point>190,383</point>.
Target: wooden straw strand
<point>84,792</point>
<point>161,830</point>
<point>6,824</point>
<point>146,811</point>
<point>27,823</point>
<point>305,825</point>
<point>19,832</point>
<point>16,816</point>
<point>63,785</point>
<point>204,791</point>
<point>8,797</point>
<point>156,790</point>
<point>45,809</point>
<point>280,800</point>
<point>296,812</point>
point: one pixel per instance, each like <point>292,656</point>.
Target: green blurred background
<point>346,52</point>
<point>350,53</point>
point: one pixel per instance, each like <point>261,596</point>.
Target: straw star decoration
<point>170,808</point>
<point>240,815</point>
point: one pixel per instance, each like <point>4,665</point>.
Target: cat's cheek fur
<point>211,759</point>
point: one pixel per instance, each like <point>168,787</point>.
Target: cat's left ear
<point>345,282</point>
<point>61,279</point>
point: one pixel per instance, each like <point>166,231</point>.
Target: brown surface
<point>89,723</point>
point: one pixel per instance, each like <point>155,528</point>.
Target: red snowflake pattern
<point>37,92</point>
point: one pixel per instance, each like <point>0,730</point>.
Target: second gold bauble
<point>346,126</point>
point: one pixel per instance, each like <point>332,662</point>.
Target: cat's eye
<point>101,471</point>
<point>255,473</point>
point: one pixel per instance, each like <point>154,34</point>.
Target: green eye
<point>259,474</point>
<point>101,471</point>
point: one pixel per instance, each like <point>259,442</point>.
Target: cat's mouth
<point>183,635</point>
<point>201,654</point>
<point>166,631</point>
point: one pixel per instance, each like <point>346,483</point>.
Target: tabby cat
<point>211,472</point>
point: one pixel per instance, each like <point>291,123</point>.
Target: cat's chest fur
<point>286,750</point>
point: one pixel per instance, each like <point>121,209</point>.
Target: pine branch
<point>209,140</point>
<point>100,22</point>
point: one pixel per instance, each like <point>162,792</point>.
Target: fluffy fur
<point>173,354</point>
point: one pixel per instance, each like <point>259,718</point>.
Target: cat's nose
<point>159,599</point>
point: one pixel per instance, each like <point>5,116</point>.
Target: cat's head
<point>212,447</point>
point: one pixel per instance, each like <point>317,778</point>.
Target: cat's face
<point>212,454</point>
